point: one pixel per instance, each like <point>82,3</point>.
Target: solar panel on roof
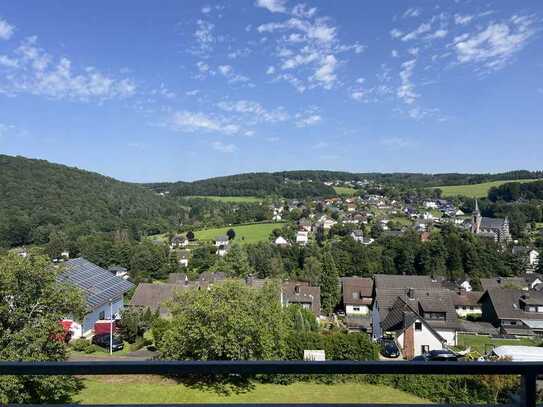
<point>98,285</point>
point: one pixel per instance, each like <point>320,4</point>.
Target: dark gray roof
<point>177,278</point>
<point>505,282</point>
<point>467,298</point>
<point>99,286</point>
<point>357,290</point>
<point>388,281</point>
<point>423,300</point>
<point>299,292</point>
<point>507,303</point>
<point>492,223</point>
<point>154,296</point>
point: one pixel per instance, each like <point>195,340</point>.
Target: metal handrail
<point>527,370</point>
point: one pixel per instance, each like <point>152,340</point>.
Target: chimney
<point>411,293</point>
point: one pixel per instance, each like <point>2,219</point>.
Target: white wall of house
<point>356,309</point>
<point>533,258</point>
<point>449,335</point>
<point>101,312</point>
<point>422,337</point>
<point>470,310</point>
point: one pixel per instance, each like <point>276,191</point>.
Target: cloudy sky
<point>182,90</point>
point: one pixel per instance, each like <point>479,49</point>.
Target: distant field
<point>345,191</point>
<point>154,389</point>
<point>230,199</point>
<point>475,190</point>
<point>244,233</point>
<point>482,344</point>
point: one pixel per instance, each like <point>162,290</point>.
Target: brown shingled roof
<point>357,290</point>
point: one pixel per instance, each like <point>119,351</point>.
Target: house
<point>413,334</point>
<point>527,281</point>
<point>493,228</point>
<point>357,295</point>
<point>179,241</point>
<point>467,303</point>
<point>514,311</point>
<point>424,295</point>
<point>155,296</point>
<point>304,224</point>
<point>302,237</point>
<point>178,278</point>
<point>119,271</point>
<point>533,258</point>
<point>281,242</point>
<point>301,293</point>
<point>357,235</point>
<point>183,257</point>
<point>430,205</point>
<point>102,290</point>
<point>221,243</point>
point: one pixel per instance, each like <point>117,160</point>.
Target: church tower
<point>476,220</point>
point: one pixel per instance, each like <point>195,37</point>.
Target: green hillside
<point>39,197</point>
<point>476,190</point>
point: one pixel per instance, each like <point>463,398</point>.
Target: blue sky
<point>182,90</point>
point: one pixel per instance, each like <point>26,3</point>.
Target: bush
<point>90,349</point>
<point>81,345</point>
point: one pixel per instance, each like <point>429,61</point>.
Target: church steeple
<point>476,221</point>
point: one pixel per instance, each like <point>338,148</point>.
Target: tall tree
<point>329,283</point>
<point>30,329</point>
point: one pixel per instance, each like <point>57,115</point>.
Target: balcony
<point>528,371</point>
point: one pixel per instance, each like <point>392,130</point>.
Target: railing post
<point>529,389</point>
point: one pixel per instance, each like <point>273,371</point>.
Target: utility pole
<point>110,327</point>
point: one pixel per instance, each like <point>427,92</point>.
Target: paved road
<point>139,355</point>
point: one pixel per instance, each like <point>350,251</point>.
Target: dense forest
<point>513,191</point>
<point>39,197</point>
<point>301,184</point>
<point>253,184</point>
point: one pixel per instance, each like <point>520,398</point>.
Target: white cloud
<point>228,72</point>
<point>192,122</point>
<point>423,28</point>
<point>395,33</point>
<point>274,6</point>
<point>204,38</point>
<point>223,147</point>
<point>35,71</point>
<point>325,73</point>
<point>193,92</point>
<point>255,110</point>
<point>270,70</point>
<point>305,120</point>
<point>411,12</point>
<point>494,46</point>
<point>358,95</point>
<point>225,69</point>
<point>441,33</point>
<point>394,53</point>
<point>206,9</point>
<point>8,62</point>
<point>406,90</point>
<point>6,30</point>
<point>302,10</point>
<point>462,20</point>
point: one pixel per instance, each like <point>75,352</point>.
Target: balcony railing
<point>527,370</point>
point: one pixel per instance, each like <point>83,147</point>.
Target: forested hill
<point>38,197</point>
<point>305,183</point>
<point>253,184</point>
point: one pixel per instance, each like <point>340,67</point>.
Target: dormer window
<point>356,295</point>
<point>435,316</point>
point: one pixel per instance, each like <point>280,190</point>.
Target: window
<point>102,315</point>
<point>418,326</point>
<point>440,316</point>
<point>356,308</point>
<point>425,349</point>
<point>356,295</point>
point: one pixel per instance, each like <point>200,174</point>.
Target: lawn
<point>346,191</point>
<point>475,190</point>
<point>154,389</point>
<point>244,233</point>
<point>483,344</point>
<point>230,199</point>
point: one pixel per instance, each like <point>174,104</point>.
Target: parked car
<point>389,349</point>
<point>436,356</point>
<point>102,340</point>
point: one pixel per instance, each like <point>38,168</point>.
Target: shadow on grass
<point>224,385</point>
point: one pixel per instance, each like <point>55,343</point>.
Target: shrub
<point>80,345</point>
<point>91,349</point>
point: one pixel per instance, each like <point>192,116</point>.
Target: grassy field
<point>475,190</point>
<point>153,389</point>
<point>345,191</point>
<point>483,344</point>
<point>230,199</point>
<point>244,233</point>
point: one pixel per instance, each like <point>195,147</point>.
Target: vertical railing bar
<point>529,388</point>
